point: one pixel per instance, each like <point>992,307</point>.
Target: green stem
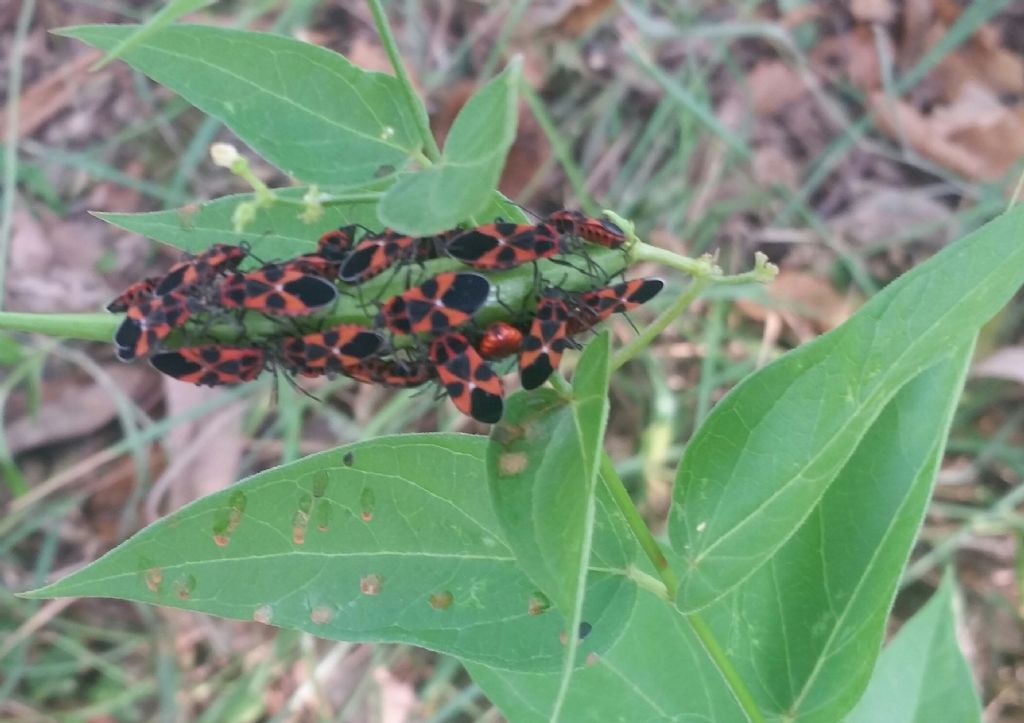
<point>732,677</point>
<point>10,170</point>
<point>645,337</point>
<point>430,146</point>
<point>636,523</point>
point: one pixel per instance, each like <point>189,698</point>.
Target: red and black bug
<point>378,252</point>
<point>276,289</point>
<point>201,268</point>
<point>335,244</point>
<point>548,337</point>
<point>134,294</point>
<point>504,245</point>
<point>392,372</point>
<point>333,350</point>
<point>596,230</point>
<point>439,304</point>
<point>472,385</point>
<point>591,307</point>
<point>150,322</point>
<point>212,365</point>
<point>499,340</point>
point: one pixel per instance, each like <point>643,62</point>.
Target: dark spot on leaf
<point>383,170</point>
<point>349,459</point>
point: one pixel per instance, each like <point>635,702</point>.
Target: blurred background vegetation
<point>847,141</point>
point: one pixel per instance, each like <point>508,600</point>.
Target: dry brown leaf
<point>807,303</point>
<point>204,454</point>
<point>772,165</point>
<point>975,136</point>
<point>774,85</point>
<point>49,95</point>
<point>872,11</point>
<point>1007,363</point>
<point>582,16</point>
<point>72,409</point>
<point>883,213</point>
<point>984,61</point>
<point>854,55</point>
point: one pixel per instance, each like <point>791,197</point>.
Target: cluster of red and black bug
<point>436,315</point>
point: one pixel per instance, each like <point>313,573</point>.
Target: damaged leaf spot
<point>538,604</point>
<point>184,586</point>
<point>154,576</point>
<point>321,615</point>
<point>263,614</point>
<point>441,600</point>
<point>322,513</point>
<point>319,483</point>
<point>349,459</point>
<point>512,463</point>
<point>370,584</point>
<point>225,521</point>
<point>367,501</point>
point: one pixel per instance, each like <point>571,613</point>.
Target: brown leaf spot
<point>154,576</point>
<point>370,584</point>
<point>263,614</point>
<point>441,600</point>
<point>321,614</point>
<point>512,463</point>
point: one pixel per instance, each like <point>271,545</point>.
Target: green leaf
<point>821,601</point>
<point>275,232</point>
<point>387,540</point>
<point>761,462</point>
<point>656,671</point>
<point>461,185</point>
<point>304,108</point>
<point>162,18</point>
<point>820,604</point>
<point>922,674</point>
<point>542,467</point>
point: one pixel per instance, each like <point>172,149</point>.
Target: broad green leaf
<point>387,540</point>
<point>161,19</point>
<point>304,108</point>
<point>821,601</point>
<point>461,185</point>
<point>542,466</point>
<point>922,675</point>
<point>819,605</point>
<point>761,462</point>
<point>275,232</point>
<point>657,671</point>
